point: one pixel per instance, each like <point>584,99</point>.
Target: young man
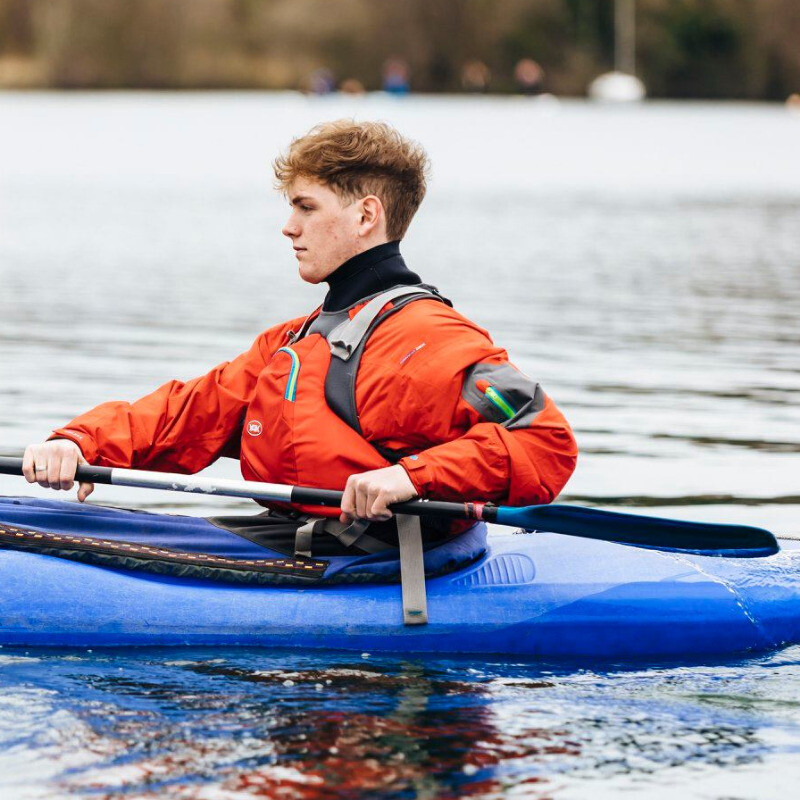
<point>389,400</point>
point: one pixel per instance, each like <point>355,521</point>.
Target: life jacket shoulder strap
<point>346,338</point>
<point>347,342</point>
<point>295,336</point>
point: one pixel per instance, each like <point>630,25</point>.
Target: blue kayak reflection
<point>255,723</point>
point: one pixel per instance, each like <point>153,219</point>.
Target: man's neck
<point>367,273</point>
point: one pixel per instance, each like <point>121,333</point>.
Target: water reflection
<point>342,731</point>
<point>265,724</point>
<point>646,501</point>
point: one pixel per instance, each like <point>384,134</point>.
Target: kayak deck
<point>539,595</point>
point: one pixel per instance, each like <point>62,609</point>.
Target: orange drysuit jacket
<point>414,393</point>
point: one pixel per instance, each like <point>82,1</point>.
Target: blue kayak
<point>536,595</point>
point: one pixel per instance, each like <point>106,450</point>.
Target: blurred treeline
<point>685,48</point>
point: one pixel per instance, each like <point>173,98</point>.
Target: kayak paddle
<point>657,533</point>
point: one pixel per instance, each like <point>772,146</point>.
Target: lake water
<point>642,263</point>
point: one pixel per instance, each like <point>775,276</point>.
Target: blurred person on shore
<point>352,86</point>
<point>475,76</point>
<point>396,76</point>
<point>529,76</point>
<point>322,82</point>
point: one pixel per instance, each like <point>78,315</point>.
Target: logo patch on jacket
<point>254,427</point>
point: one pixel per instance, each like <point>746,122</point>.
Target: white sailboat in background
<point>621,85</point>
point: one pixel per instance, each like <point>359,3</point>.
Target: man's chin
<point>308,274</point>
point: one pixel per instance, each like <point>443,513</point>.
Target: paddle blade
<point>701,538</point>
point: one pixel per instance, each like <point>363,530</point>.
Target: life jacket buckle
<point>340,348</point>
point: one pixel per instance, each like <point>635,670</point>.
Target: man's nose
<point>290,228</point>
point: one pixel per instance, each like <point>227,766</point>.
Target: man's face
<point>324,229</point>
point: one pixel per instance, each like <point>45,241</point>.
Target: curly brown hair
<point>357,159</point>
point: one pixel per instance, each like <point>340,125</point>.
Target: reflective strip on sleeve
<point>501,393</point>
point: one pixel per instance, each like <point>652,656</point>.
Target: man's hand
<point>53,464</point>
<point>368,495</point>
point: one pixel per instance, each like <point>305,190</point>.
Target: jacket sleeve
<point>181,426</point>
<point>517,449</point>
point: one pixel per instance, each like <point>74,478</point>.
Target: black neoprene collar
<point>368,273</point>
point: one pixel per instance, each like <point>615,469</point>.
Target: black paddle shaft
<point>328,498</point>
<point>84,474</point>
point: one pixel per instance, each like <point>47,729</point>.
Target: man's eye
<point>305,208</point>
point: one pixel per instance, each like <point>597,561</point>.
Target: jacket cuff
<point>84,442</point>
<point>419,472</point>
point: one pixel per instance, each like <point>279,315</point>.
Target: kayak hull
<point>540,595</point>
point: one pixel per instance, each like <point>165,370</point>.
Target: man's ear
<point>372,214</point>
